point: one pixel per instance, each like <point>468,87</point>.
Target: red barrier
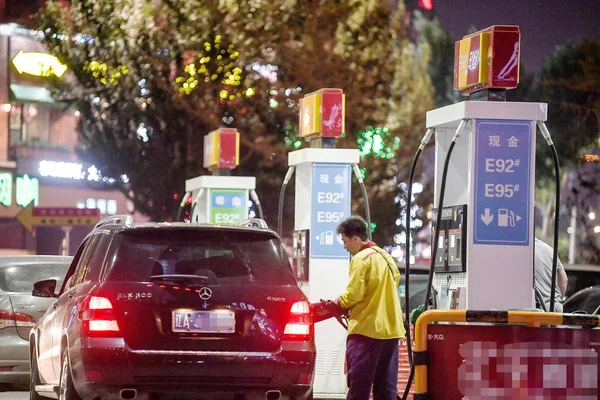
<point>512,362</point>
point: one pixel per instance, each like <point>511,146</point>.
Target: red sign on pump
<point>332,108</point>
<point>487,59</point>
<point>322,114</point>
<point>222,149</point>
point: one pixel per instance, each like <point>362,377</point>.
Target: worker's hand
<point>337,302</point>
<point>326,309</point>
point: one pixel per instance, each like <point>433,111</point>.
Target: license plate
<point>215,321</point>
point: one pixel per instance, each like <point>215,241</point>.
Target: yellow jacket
<point>372,295</point>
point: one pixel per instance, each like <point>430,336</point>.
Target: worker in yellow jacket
<point>375,316</point>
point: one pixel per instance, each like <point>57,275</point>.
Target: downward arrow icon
<point>486,217</point>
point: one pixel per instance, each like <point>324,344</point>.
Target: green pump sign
<point>228,206</point>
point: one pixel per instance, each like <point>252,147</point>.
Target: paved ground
<point>14,395</point>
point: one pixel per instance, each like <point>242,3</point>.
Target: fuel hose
<point>256,201</point>
<point>548,138</point>
<point>411,177</point>
<point>184,200</point>
<point>288,176</point>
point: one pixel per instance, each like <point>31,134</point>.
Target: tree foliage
<point>441,63</point>
<point>570,84</point>
<point>152,77</point>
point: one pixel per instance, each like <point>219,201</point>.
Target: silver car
<point>19,310</point>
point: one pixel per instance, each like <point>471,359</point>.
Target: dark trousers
<point>371,362</point>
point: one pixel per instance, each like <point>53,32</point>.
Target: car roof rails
<point>254,223</point>
<point>123,220</point>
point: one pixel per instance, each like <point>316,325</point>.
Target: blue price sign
<point>330,206</point>
<point>502,182</point>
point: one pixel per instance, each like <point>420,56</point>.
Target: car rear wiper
<point>180,279</point>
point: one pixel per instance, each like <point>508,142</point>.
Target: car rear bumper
<point>105,366</point>
<point>14,359</point>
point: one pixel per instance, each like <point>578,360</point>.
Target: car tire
<point>66,390</point>
<point>34,378</point>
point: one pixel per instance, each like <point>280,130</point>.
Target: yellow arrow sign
<point>38,64</point>
<point>31,216</point>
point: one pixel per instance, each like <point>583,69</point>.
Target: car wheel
<point>66,390</point>
<point>34,378</point>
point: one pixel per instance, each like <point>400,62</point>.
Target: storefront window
<point>111,207</point>
<point>101,204</point>
<point>15,122</point>
<point>105,206</point>
<point>29,123</point>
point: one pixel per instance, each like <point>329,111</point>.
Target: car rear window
<point>223,256</point>
<point>21,277</point>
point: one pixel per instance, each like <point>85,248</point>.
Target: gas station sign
<point>228,206</point>
<point>222,149</point>
<point>322,114</point>
<point>487,59</point>
<point>330,206</point>
<point>503,151</point>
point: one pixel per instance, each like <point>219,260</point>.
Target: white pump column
<point>323,197</point>
<point>492,171</point>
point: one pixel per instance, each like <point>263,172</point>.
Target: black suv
<point>175,311</point>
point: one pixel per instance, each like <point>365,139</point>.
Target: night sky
<point>543,23</point>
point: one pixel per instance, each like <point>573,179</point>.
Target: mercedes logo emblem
<point>205,293</point>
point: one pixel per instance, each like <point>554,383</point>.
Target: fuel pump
<point>220,198</point>
<point>483,236</point>
<point>322,179</point>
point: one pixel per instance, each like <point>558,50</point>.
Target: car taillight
<point>300,325</point>
<point>13,319</point>
<point>98,317</point>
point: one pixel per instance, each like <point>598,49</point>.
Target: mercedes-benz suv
<point>175,311</point>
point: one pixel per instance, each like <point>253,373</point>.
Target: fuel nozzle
<point>326,309</point>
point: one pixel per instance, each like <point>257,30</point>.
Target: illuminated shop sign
<point>27,190</point>
<point>6,189</point>
<point>74,171</point>
<point>38,64</point>
<point>68,170</point>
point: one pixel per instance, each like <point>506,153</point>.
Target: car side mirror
<point>44,288</point>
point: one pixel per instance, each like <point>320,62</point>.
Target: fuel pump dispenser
<point>482,268</point>
<point>323,177</point>
<point>220,198</point>
<point>484,251</point>
<point>485,191</point>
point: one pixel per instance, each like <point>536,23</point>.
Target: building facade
<point>38,163</point>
